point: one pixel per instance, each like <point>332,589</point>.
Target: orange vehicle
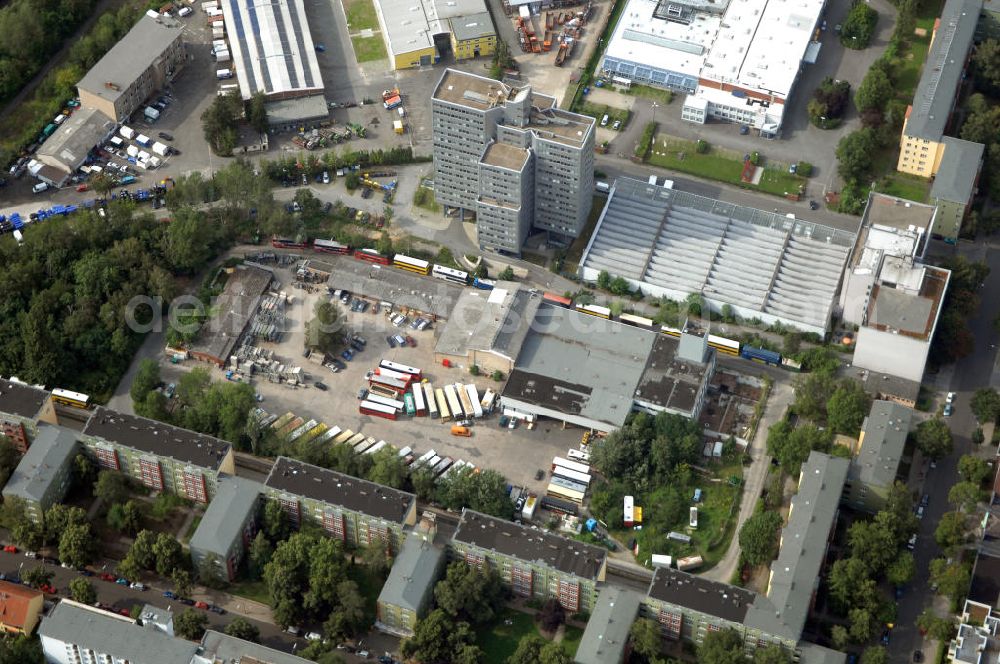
<point>461,431</point>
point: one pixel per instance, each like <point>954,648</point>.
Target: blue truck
<point>760,355</point>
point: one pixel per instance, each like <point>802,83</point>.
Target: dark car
<point>169,594</point>
<point>366,193</point>
<point>813,205</point>
<point>391,341</point>
<point>340,365</point>
<point>327,207</point>
<point>356,346</point>
<point>320,386</point>
<point>347,354</point>
<point>186,600</point>
<point>217,609</point>
<point>362,394</point>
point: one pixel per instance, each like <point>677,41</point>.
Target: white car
<point>137,586</point>
<point>950,398</point>
<point>313,636</point>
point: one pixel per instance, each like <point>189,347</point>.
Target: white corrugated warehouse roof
<point>672,243</point>
<point>271,47</point>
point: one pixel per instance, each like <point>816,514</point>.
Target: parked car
<point>911,544</point>
<point>391,340</point>
<point>313,636</point>
<point>165,136</point>
<point>950,398</point>
<point>122,581</point>
<point>400,341</point>
<point>201,605</point>
<point>169,594</point>
<point>410,341</point>
<point>320,386</point>
<point>362,394</point>
<point>137,586</point>
<point>10,548</point>
<point>186,600</point>
<point>217,609</point>
<point>347,355</point>
<point>948,410</point>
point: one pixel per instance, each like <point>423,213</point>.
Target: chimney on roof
<point>112,86</point>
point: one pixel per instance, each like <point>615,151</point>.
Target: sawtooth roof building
<point>669,243</point>
<point>272,49</point>
<point>737,60</point>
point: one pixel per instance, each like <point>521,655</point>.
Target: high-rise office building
<point>513,157</point>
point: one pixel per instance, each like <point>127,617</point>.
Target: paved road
<point>967,375</point>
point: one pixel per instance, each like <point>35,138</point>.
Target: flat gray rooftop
<point>943,70</point>
<point>20,399</point>
<point>913,314</point>
<point>488,320</point>
<point>91,628</point>
<point>74,139</point>
<point>505,156</point>
<point>157,438</point>
<point>607,631</point>
<point>881,447</point>
<point>413,574</point>
<point>131,56</point>
<point>227,649</point>
<point>956,178</point>
<point>796,571</point>
<point>53,447</point>
<point>898,213</point>
<point>333,488</point>
<point>472,26</point>
<point>233,310</point>
<point>235,499</point>
<point>580,365</point>
<point>668,381</point>
<point>299,109</point>
<point>388,284</point>
<point>700,594</point>
<point>674,243</point>
<point>530,544</point>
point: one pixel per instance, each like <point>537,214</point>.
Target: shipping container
<point>477,408</point>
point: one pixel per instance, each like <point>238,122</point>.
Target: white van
<point>40,187</point>
<point>604,120</point>
<point>184,11</point>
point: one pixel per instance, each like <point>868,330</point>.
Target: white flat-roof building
<point>737,60</point>
<point>272,49</point>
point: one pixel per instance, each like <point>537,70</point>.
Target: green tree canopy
<point>468,594</point>
<point>847,408</point>
<point>974,469</point>
<point>645,636</point>
<point>951,531</point>
<point>437,639</point>
<point>82,590</point>
<point>933,438</point>
<point>965,496</point>
<point>722,647</point>
<point>241,628</point>
<point>147,378</point>
<point>985,405</point>
<point>759,538</point>
<point>325,331</point>
<point>190,624</point>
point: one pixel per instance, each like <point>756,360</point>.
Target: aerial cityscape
<point>500,332</point>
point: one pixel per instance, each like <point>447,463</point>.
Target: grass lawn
<point>905,186</point>
<point>654,94</point>
<point>499,641</point>
<point>367,49</point>
<point>910,65</point>
<point>360,15</point>
<point>252,590</point>
<point>424,198</point>
<point>719,164</point>
<point>598,111</point>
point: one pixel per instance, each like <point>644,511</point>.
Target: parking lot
<point>518,454</point>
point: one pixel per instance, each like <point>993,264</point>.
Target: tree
<point>219,122</point>
<point>772,654</point>
<point>901,570</point>
<point>125,518</point>
<point>875,90</point>
<point>82,590</point>
<point>112,487</point>
<point>550,616</point>
<point>722,647</point>
<point>847,408</point>
<point>859,26</point>
<point>437,638</point>
<point>77,545</point>
<point>388,469</point>
<point>965,496</point>
<point>37,577</point>
<point>986,61</point>
<point>384,244</point>
<point>791,447</point>
<point>182,581</point>
<point>376,559</point>
<point>759,538</point>
<point>257,113</point>
<point>21,650</point>
<point>933,438</point>
<point>875,655</point>
<point>59,517</point>
<point>873,543</point>
<point>839,637</point>
<point>813,392</point>
<point>645,635</point>
<point>324,331</point>
<point>603,279</point>
<point>168,554</point>
<point>147,378</point>
<point>143,551</point>
<point>348,619</point>
<point>854,153</point>
<point>481,271</point>
<point>129,569</point>
<point>257,556</point>
<point>860,624</point>
<point>507,274</point>
<point>28,534</point>
<point>84,471</point>
<point>469,594</point>
<point>190,624</point>
<point>241,628</point>
<point>973,469</point>
<point>985,405</point>
<point>952,580</point>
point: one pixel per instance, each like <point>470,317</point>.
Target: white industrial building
<point>272,49</point>
<point>737,60</point>
<point>669,243</point>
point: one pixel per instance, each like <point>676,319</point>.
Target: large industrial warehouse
<point>274,53</point>
<point>738,60</point>
<point>669,243</point>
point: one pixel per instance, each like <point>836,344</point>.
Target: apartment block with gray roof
<point>352,510</point>
<point>876,457</point>
<point>407,593</point>
<point>606,636</point>
<point>43,475</point>
<point>226,530</point>
<point>513,157</point>
<point>21,406</point>
<point>160,456</point>
<point>535,563</point>
<point>73,633</point>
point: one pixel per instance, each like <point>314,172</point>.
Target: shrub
<point>804,168</point>
<point>701,147</point>
<point>859,27</point>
